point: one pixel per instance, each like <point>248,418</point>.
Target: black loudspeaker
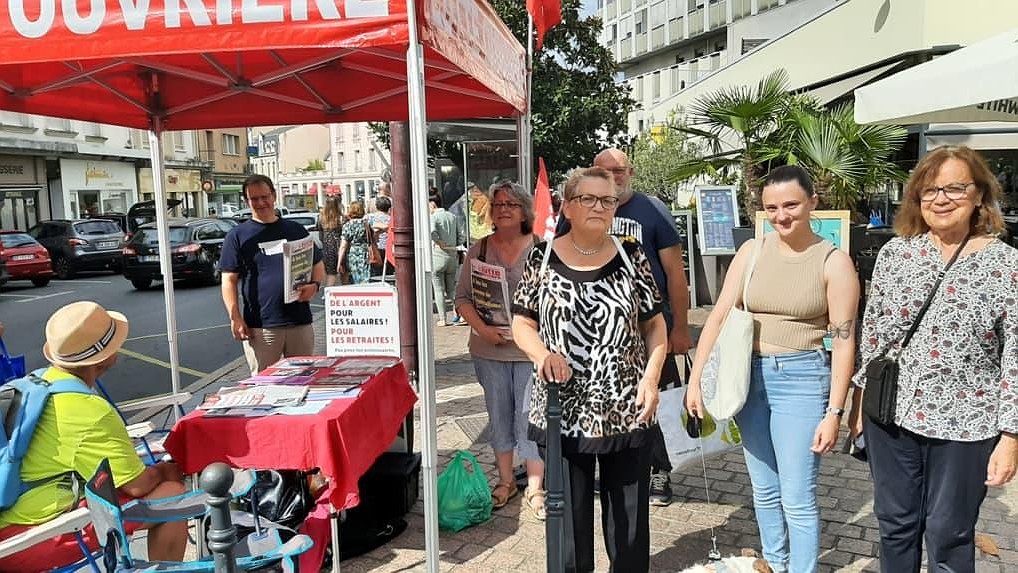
<point>390,487</point>
<point>388,490</point>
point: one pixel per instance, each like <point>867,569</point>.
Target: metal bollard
<point>216,480</point>
<point>555,502</point>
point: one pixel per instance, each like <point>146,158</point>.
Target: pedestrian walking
<point>353,250</point>
<point>331,224</point>
<point>446,236</point>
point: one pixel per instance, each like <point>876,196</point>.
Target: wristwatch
<point>839,412</point>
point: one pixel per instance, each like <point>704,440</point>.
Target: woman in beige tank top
<point>801,289</point>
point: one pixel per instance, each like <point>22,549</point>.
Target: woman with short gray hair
<point>503,370</point>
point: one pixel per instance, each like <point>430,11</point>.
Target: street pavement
<point>204,342</point>
<point>513,540</point>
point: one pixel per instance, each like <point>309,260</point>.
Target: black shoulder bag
<point>880,399</point>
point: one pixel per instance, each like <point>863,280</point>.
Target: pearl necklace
<point>585,252</point>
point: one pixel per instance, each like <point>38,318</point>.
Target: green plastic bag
<point>463,495</point>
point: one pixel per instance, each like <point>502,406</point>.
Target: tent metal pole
<point>526,137</point>
<point>424,268</point>
<point>155,139</point>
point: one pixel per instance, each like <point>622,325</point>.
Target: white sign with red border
<point>361,320</point>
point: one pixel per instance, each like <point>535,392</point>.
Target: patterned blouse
<point>593,319</point>
<point>959,374</point>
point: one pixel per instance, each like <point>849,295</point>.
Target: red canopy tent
<point>194,64</point>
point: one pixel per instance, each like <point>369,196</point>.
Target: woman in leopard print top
<point>587,312</point>
<point>957,402</point>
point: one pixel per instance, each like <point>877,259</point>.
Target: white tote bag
<point>725,378</point>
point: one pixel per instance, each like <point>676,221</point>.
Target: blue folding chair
<point>260,549</point>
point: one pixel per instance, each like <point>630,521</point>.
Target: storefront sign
<point>361,320</point>
<point>85,174</point>
<point>177,180</point>
<point>17,170</point>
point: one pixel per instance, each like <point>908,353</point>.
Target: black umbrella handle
<point>555,501</point>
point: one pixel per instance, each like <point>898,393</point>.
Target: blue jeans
<point>787,397</point>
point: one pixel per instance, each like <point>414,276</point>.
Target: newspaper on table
<point>489,286</point>
<point>255,397</point>
<point>298,261</point>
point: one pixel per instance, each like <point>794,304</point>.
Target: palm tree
<point>843,158</point>
<point>735,124</point>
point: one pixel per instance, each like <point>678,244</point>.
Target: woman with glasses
<point>587,313</point>
<point>493,263</point>
<point>956,412</point>
<point>800,289</point>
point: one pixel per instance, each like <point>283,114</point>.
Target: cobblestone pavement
<point>513,540</point>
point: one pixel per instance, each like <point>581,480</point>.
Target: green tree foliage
<point>656,154</point>
<point>315,165</point>
<point>578,108</point>
<point>750,131</point>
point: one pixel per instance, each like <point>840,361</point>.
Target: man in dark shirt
<point>253,258</point>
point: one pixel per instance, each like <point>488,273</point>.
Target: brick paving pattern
<point>513,540</point>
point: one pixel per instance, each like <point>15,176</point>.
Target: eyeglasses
<point>953,192</point>
<point>619,170</point>
<point>506,205</point>
<point>588,201</point>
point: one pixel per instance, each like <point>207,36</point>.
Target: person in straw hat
<point>74,434</point>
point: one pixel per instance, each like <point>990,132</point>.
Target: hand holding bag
<point>880,399</point>
<point>725,377</point>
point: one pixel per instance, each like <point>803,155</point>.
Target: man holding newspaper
<point>279,269</point>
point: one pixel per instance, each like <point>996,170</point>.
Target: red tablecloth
<point>343,440</point>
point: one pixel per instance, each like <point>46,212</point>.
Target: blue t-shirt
<point>261,275</point>
<point>648,220</point>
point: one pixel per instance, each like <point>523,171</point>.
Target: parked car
<point>309,220</point>
<point>144,212</point>
<point>245,214</point>
<point>24,258</point>
<point>227,210</point>
<point>4,276</point>
<point>195,245</point>
<point>78,245</point>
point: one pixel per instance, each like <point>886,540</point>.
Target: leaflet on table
<point>298,260</point>
<point>364,365</point>
<point>296,376</point>
<point>319,393</point>
<point>305,362</point>
<point>261,396</point>
<point>489,287</point>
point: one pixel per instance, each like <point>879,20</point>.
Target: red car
<point>25,258</point>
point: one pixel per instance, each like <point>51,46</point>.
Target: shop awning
<point>974,84</point>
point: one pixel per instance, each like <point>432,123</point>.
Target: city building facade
<point>310,161</point>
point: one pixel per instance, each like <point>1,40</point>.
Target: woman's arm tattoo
<point>845,330</point>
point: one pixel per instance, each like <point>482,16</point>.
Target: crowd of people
<point>601,311</point>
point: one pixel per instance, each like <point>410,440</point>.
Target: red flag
<point>389,254</point>
<point>546,14</point>
<point>544,215</point>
